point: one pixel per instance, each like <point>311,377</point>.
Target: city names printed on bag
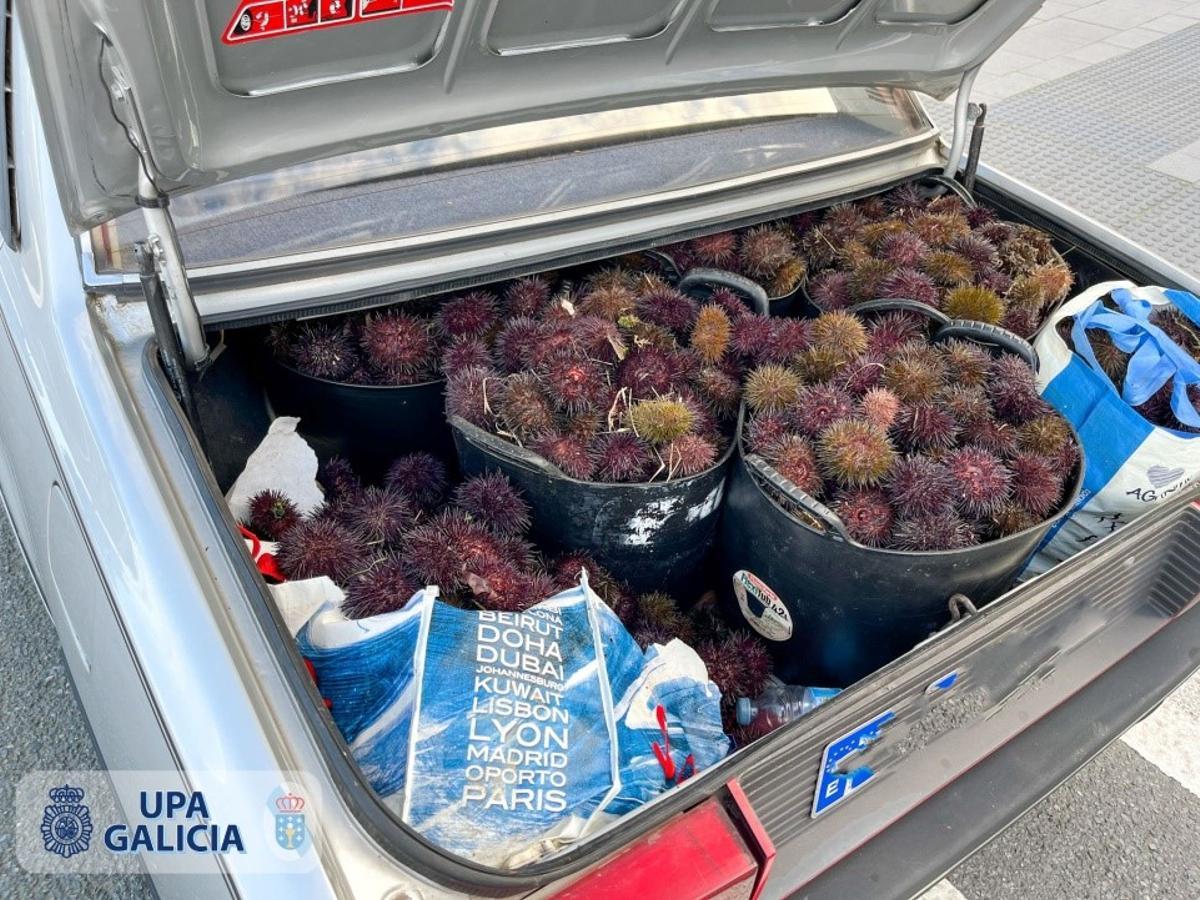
<point>519,729</point>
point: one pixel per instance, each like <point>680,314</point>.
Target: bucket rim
<point>292,370</point>
<point>470,432</point>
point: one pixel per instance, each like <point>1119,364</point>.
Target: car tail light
<point>716,849</point>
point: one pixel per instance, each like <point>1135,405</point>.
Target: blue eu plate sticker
<point>834,786</point>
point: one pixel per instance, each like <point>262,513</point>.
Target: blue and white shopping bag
<point>1131,465</point>
<point>504,736</point>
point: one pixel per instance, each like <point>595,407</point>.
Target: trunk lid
<point>222,89</point>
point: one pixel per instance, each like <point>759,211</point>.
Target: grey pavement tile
<point>1170,23</point>
<point>1132,38</point>
<point>1095,52</point>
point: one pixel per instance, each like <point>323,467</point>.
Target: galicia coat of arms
<point>290,832</point>
<point>66,822</point>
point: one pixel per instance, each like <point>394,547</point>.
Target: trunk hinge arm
<point>962,108</point>
<point>162,241</point>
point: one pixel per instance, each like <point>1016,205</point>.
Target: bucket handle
<point>505,449</point>
<point>982,333</point>
<point>700,283</point>
<point>799,497</point>
<point>951,185</point>
<point>899,304</point>
<point>666,262</point>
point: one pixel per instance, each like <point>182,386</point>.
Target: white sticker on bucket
<point>761,607</point>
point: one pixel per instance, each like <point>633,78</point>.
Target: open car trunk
<point>995,656</point>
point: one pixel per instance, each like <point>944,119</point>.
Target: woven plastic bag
<point>505,736</point>
<point>1131,465</point>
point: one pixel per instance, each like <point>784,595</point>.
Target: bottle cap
<point>745,711</point>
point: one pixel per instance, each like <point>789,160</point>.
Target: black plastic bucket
<point>834,610</point>
<point>368,424</point>
<point>653,536</point>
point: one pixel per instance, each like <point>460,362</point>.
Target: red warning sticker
<point>259,19</point>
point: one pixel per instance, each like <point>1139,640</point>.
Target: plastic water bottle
<point>780,703</point>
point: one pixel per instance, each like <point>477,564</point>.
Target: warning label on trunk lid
<point>258,19</point>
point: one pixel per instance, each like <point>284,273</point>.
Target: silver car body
<point>138,567</point>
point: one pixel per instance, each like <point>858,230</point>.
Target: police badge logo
<point>290,832</point>
<point>66,822</point>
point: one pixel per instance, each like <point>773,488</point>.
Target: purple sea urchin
<point>398,346</point>
<point>981,480</point>
<point>893,330</point>
<point>905,249</point>
<point>467,394</point>
<point>831,290</point>
<point>470,315</point>
<point>338,478</point>
<point>382,515</point>
<point>661,612</point>
<point>751,337</point>
<point>938,531</point>
<point>909,284</point>
<point>568,453</point>
<point>817,407</point>
<point>793,457</point>
<point>789,338</point>
<point>866,514</point>
<point>1012,388</point>
<point>622,456</point>
<point>385,586</point>
<point>522,407</point>
<point>574,383</point>
<point>994,436</point>
<point>315,547</point>
<point>1011,518</point>
<point>492,500</point>
<point>609,302</point>
<point>855,453</point>
<point>464,353</point>
<point>719,250</point>
<point>272,514</point>
<point>420,476</point>
<point>516,341</point>
<point>324,351</point>
<point>690,454</point>
<point>914,377</point>
<point>967,363</point>
<point>764,249</point>
<point>868,277</point>
<point>977,250</point>
<point>720,390</point>
<point>668,308</point>
<point>861,374</point>
<point>919,486</point>
<point>526,297</point>
<point>1037,483</point>
<point>966,403</point>
<point>1046,435</point>
<point>926,426</point>
<point>763,431</point>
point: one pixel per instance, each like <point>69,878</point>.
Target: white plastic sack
<point>1131,465</point>
<point>503,736</point>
